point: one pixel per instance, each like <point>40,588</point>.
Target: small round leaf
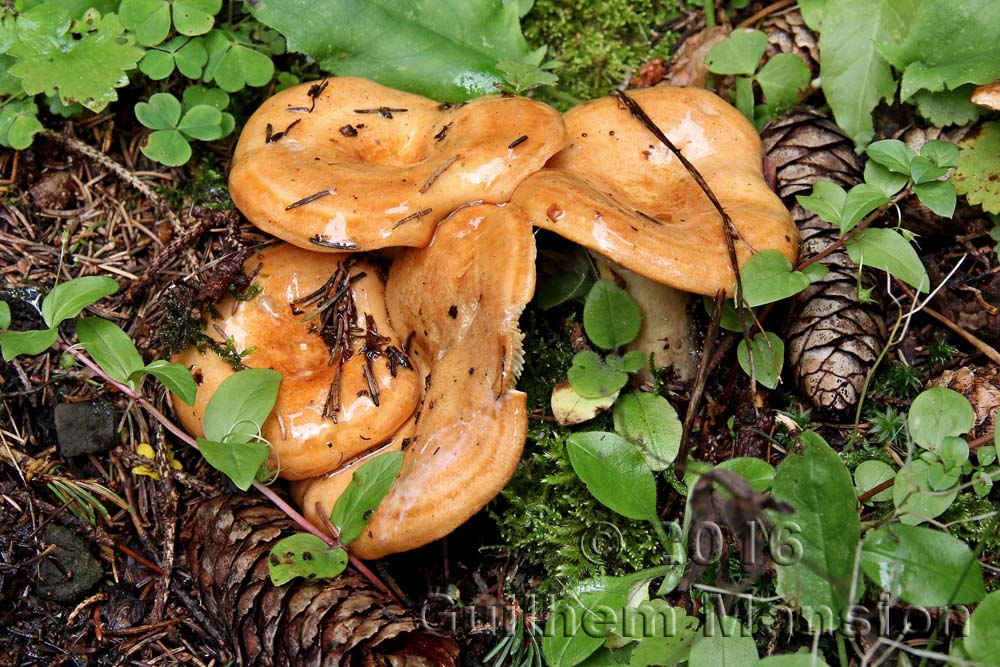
<point>611,317</point>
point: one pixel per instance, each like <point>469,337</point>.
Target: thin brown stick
<point>874,491</point>
<point>773,8</point>
<point>699,384</point>
<point>978,343</point>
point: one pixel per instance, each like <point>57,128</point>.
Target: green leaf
<point>18,124</point>
<point>213,97</point>
<point>83,63</point>
<point>233,66</point>
<point>923,170</point>
<point>826,523</point>
<point>615,472</point>
<point>576,627</point>
<point>768,358</point>
<point>937,413</point>
<point>447,50</point>
<point>667,634</point>
<point>202,122</point>
<point>948,107</point>
<point>361,498</point>
<point>815,272</point>
<point>927,52</point>
<point>611,317</point>
<point>861,200</point>
<point>782,80</point>
<point>922,566</point>
<point>16,343</point>
<point>941,153</point>
<point>954,452</point>
<point>304,555</point>
<point>239,461</point>
<point>759,473</point>
<point>186,54</point>
<point>768,276</point>
<point>634,361</point>
<point>938,196</point>
<point>987,455</point>
<point>982,641</point>
<point>854,74</point>
<point>4,315</point>
<point>591,378</point>
<point>886,249</point>
<point>913,497</point>
<point>241,405</point>
<point>156,64</point>
<point>887,181</point>
<point>195,17</point>
<point>521,77</point>
<point>168,147</point>
<point>743,97</point>
<point>892,154</point>
<point>739,53</point>
<point>869,474</point>
<point>730,645</point>
<point>110,347</point>
<point>71,297</point>
<point>149,20</point>
<point>569,407</point>
<point>730,316</point>
<point>175,377</point>
<point>161,112</point>
<point>651,424</point>
<point>826,201</point>
<point>978,165</point>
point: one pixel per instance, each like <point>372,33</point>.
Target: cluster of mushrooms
<point>424,357</point>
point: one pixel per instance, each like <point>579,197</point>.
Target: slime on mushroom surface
<point>454,301</point>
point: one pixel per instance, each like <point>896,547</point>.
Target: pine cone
<point>787,33</point>
<point>343,622</point>
<point>832,338</point>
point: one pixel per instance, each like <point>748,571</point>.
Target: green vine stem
<point>266,491</point>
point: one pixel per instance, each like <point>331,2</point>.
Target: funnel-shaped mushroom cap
<point>326,413</point>
<point>348,164</point>
<point>458,302</point>
<point>618,190</point>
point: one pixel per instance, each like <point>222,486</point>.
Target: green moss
<point>598,42</point>
<point>966,506</point>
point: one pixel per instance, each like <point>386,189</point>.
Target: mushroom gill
<point>457,303</point>
<point>348,164</point>
<point>621,192</point>
<point>320,320</point>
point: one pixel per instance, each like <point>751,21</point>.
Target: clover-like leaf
<point>304,555</point>
<point>739,53</point>
<point>591,378</point>
<point>232,65</point>
<point>195,17</point>
<point>782,80</point>
<point>161,112</point>
<point>202,122</point>
<point>149,20</point>
<point>19,124</point>
<point>168,147</point>
<point>768,276</point>
<point>364,492</point>
<point>187,55</point>
<point>213,97</point>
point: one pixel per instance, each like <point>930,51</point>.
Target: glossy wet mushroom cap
<point>348,164</point>
<point>326,413</point>
<point>457,302</point>
<point>621,192</point>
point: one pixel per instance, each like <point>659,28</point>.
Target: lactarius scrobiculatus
<point>320,320</point>
<point>348,164</point>
<point>618,190</point>
<point>457,303</point>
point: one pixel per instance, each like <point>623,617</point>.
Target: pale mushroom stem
<point>278,501</point>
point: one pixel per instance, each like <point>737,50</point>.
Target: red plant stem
<point>266,491</point>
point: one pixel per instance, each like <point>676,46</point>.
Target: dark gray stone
<point>85,428</point>
<point>70,570</point>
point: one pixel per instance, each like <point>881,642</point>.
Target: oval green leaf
<point>361,498</point>
<point>591,378</point>
<point>615,472</point>
<point>767,276</point>
<point>937,413</point>
<point>71,297</point>
<point>241,405</point>
<point>739,53</point>
<point>304,555</point>
<point>982,641</point>
<point>768,358</point>
<point>868,475</point>
<point>611,317</point>
<point>110,347</point>
<point>886,249</point>
<point>239,461</point>
<point>174,377</point>
<point>651,424</point>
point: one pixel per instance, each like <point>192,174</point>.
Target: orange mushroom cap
<point>306,439</point>
<point>348,164</point>
<point>457,302</point>
<point>619,191</point>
